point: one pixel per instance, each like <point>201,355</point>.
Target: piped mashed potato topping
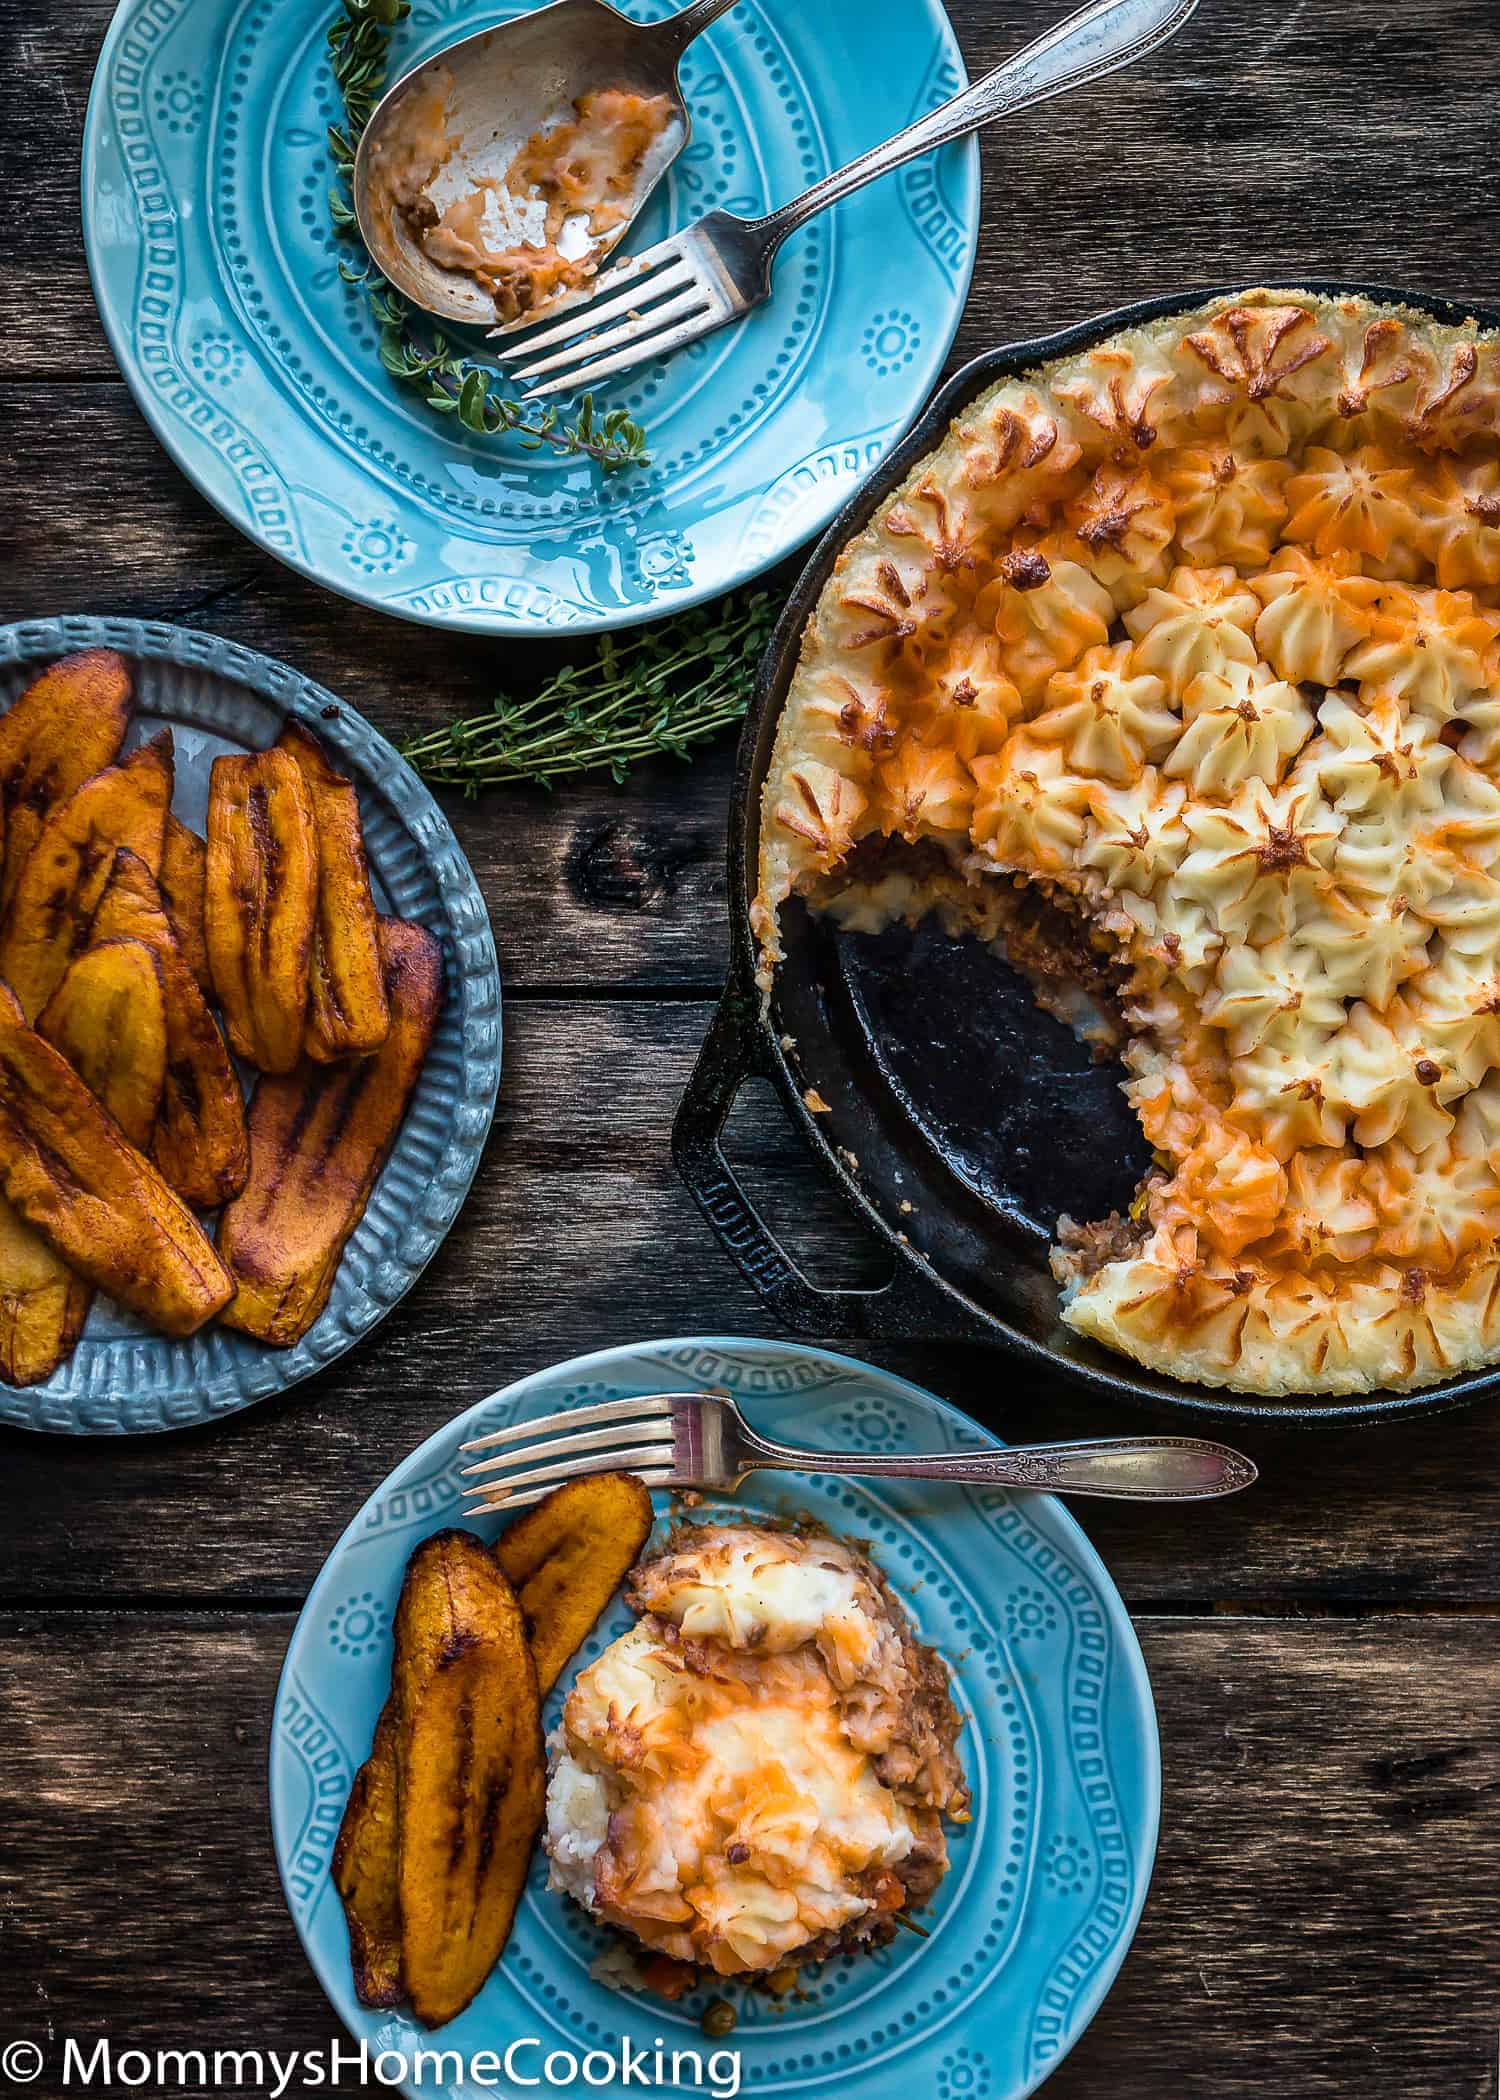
<point>531,230</point>
<point>1192,638</point>
<point>758,1772</point>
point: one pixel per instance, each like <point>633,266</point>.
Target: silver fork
<point>719,268</point>
<point>701,1440</point>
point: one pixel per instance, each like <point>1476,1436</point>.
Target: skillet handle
<point>908,1308</point>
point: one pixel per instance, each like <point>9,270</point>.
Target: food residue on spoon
<point>532,231</point>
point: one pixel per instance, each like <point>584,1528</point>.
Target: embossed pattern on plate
<point>205,202</point>
<point>1047,1882</point>
<point>216,696</point>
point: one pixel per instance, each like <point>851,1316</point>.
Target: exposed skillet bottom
<point>949,1090</point>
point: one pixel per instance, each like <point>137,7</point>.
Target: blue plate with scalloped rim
<point>1047,1882</point>
<point>214,696</point>
<point>205,211</point>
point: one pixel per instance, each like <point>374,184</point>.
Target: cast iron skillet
<point>950,1091</point>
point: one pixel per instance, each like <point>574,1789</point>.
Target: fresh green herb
<point>424,359</point>
<point>660,689</point>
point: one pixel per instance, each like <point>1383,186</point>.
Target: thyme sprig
<point>421,358</point>
<point>660,689</point>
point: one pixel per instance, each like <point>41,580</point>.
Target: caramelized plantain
<point>470,1770</point>
<point>260,903</point>
<point>566,1557</point>
<point>68,724</point>
<point>200,1143</point>
<point>43,1305</point>
<point>52,907</point>
<point>184,858</point>
<point>365,1865</point>
<point>108,1018</point>
<point>318,1138</point>
<point>347,1015</point>
<point>70,1172</point>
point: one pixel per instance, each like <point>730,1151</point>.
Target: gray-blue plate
<point>215,696</point>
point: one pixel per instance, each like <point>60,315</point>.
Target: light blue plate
<point>205,209</point>
<point>216,696</point>
<point>1047,1882</point>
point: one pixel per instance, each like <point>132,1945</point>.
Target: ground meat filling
<point>1083,1250</point>
<point>1054,944</point>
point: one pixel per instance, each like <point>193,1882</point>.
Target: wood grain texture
<point>1325,1651</point>
<point>1272,140</point>
<point>578,1235</point>
<point>1319,1923</point>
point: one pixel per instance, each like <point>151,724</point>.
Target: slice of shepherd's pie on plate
<point>1190,643</point>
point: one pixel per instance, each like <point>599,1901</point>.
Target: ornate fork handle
<point>1096,40</point>
<point>676,32</point>
<point>1140,1468</point>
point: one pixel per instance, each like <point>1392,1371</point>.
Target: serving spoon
<point>502,85</point>
<point>719,268</point>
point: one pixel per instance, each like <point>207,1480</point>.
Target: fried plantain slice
<point>99,1203</point>
<point>365,1865</point>
<point>318,1138</point>
<point>108,1018</point>
<point>347,1015</point>
<point>470,1770</point>
<point>566,1557</point>
<point>68,724</point>
<point>43,1305</point>
<point>200,1142</point>
<point>52,907</point>
<point>184,858</point>
<point>260,903</point>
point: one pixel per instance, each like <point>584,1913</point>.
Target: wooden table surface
<point>1325,1652</point>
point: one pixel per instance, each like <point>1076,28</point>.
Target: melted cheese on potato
<point>1197,632</point>
<point>717,1785</point>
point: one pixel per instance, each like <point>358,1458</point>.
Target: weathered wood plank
<point>591,884</point>
<point>1322,1919</point>
<point>1267,140</point>
<point>578,1235</point>
<point>1226,133</point>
